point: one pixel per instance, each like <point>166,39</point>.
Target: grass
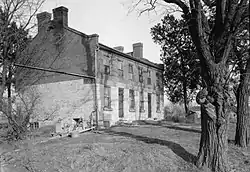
<point>146,148</point>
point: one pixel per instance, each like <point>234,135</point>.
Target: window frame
<point>140,73</point>
<point>131,100</point>
<point>106,72</point>
<point>158,102</point>
<point>120,68</point>
<point>130,68</point>
<point>141,105</point>
<point>149,81</point>
<point>107,96</point>
<point>34,125</point>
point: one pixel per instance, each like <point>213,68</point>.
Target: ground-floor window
<point>141,101</point>
<point>107,97</point>
<point>132,99</point>
<point>34,125</point>
<point>158,102</point>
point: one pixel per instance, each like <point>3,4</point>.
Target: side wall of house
<point>63,101</point>
<point>62,96</point>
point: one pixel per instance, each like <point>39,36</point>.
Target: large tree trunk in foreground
<point>243,111</point>
<point>214,121</point>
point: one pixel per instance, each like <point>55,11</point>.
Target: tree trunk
<point>185,97</point>
<point>242,126</point>
<point>214,121</point>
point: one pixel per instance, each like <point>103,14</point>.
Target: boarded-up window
<point>107,97</point>
<point>132,99</point>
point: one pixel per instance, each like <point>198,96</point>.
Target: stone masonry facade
<point>89,77</point>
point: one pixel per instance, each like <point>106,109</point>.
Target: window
<point>141,101</point>
<point>120,68</point>
<point>157,80</point>
<point>149,77</point>
<point>106,69</point>
<point>34,125</point>
<point>107,97</point>
<point>132,99</point>
<point>140,72</point>
<point>130,68</point>
<point>158,102</point>
<point>131,72</point>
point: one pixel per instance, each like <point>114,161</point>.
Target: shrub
<point>167,111</point>
<point>175,113</point>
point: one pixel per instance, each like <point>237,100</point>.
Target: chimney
<point>60,15</point>
<point>119,48</point>
<point>42,19</point>
<point>138,50</point>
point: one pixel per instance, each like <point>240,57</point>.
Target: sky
<point>112,22</point>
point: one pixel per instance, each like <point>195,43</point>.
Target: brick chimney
<point>60,15</point>
<point>119,48</point>
<point>138,50</point>
<point>42,19</point>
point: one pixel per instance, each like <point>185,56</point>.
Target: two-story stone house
<point>78,76</point>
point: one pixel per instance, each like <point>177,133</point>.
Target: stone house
<point>80,77</point>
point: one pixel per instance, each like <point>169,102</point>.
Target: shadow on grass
<point>182,129</point>
<point>170,126</point>
<point>176,148</point>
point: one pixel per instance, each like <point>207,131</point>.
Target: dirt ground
<point>144,148</point>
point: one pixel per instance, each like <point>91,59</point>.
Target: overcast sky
<point>111,21</point>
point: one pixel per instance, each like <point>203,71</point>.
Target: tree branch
<point>180,4</point>
<point>210,3</point>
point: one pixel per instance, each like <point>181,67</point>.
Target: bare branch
<point>210,3</point>
<point>180,4</point>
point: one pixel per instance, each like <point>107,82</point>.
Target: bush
<point>175,113</point>
<point>167,111</point>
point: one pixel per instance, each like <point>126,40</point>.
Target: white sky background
<point>111,21</point>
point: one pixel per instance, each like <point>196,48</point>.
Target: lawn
<point>143,148</point>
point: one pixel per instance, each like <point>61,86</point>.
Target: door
<point>149,106</point>
<point>121,98</point>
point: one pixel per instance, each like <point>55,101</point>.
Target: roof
<point>140,60</point>
<point>105,47</point>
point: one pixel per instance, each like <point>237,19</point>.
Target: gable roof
<point>105,47</point>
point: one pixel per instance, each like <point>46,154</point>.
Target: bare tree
<point>213,37</point>
<point>16,18</point>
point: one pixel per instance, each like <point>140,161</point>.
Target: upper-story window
<point>140,72</point>
<point>107,69</point>
<point>149,77</point>
<point>120,68</point>
<point>130,71</point>
<point>157,79</point>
